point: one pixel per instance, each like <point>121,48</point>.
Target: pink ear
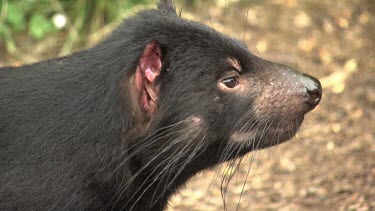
<point>149,67</point>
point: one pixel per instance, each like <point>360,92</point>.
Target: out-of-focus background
<point>330,165</point>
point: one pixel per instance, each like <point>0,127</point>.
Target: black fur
<point>73,138</point>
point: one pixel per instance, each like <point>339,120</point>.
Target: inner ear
<point>148,69</point>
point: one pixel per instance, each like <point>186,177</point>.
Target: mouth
<point>290,128</point>
<point>267,135</point>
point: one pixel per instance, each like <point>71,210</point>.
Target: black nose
<point>313,91</point>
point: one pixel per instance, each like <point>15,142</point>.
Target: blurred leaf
<point>15,17</point>
<point>9,42</point>
<point>3,29</point>
<point>39,26</point>
<point>83,17</point>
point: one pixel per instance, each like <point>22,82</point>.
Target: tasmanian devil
<point>123,125</point>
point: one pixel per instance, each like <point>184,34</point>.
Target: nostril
<point>313,90</point>
<point>313,96</point>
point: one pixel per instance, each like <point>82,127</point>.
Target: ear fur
<point>167,6</point>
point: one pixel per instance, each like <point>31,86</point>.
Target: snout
<point>285,97</point>
<point>287,93</point>
<point>304,91</point>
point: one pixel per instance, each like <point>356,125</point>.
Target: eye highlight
<point>230,82</point>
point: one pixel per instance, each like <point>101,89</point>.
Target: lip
<point>293,126</point>
<point>284,132</point>
<point>268,135</point>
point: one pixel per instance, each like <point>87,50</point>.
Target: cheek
<point>242,111</point>
<point>228,110</point>
<point>241,137</point>
<point>236,109</point>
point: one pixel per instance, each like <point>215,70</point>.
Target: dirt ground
<point>330,165</point>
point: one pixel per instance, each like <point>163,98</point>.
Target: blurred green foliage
<point>35,17</point>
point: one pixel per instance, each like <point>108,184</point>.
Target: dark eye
<point>230,82</point>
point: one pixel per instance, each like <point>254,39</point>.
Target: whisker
<point>148,163</point>
<point>170,127</point>
<point>170,165</point>
<point>190,158</point>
